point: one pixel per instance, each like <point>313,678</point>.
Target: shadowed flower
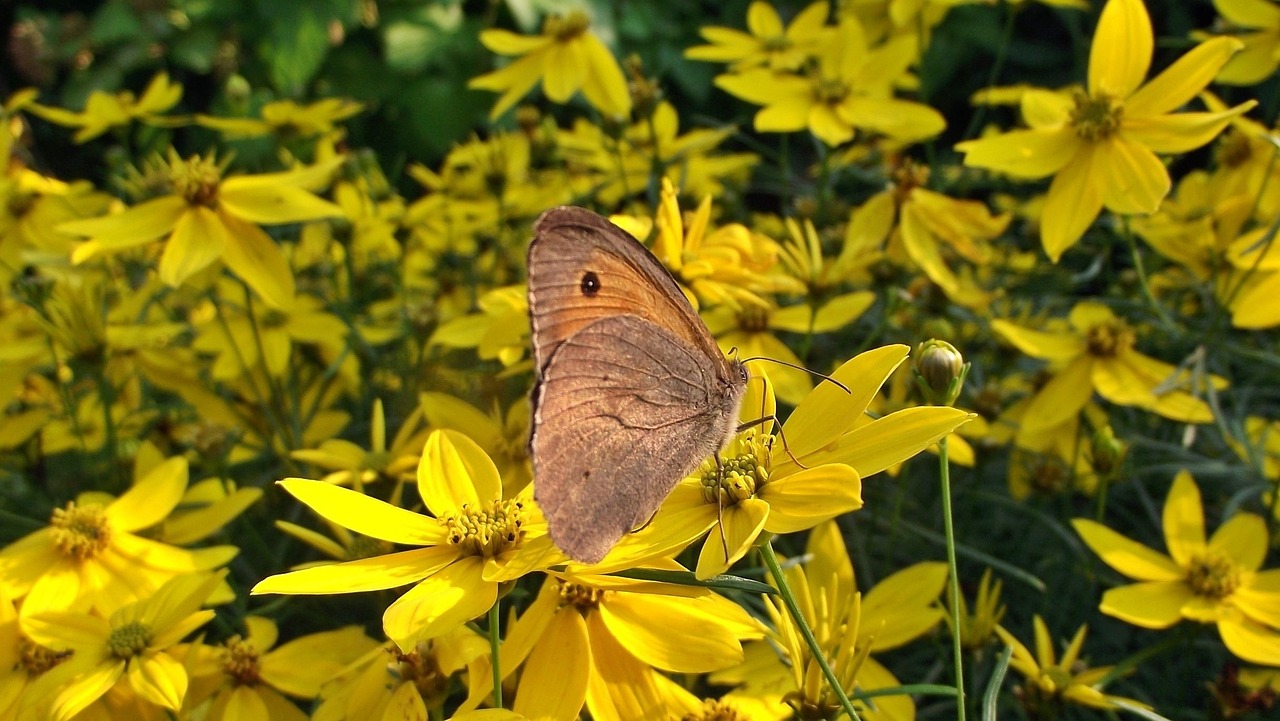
<point>767,42</point>
<point>104,111</point>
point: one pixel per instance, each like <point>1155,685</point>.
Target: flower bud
<point>1108,452</point>
<point>940,371</point>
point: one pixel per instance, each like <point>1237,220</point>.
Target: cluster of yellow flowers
<point>307,323</point>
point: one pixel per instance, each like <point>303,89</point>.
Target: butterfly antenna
<point>811,372</point>
<point>781,434</point>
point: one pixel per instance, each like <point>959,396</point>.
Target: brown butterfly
<point>632,391</point>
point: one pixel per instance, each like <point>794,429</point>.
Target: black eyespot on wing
<point>590,283</point>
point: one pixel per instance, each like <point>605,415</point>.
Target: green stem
<point>944,471</point>
<point>494,658</point>
<point>789,599</point>
<point>1141,269</point>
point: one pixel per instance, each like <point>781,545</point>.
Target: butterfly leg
<point>724,542</point>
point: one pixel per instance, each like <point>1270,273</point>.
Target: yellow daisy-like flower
<point>91,555</point>
<point>350,465</point>
<point>206,218</point>
<point>474,540</point>
<point>1097,354</point>
<point>1217,581</point>
<point>1101,145</point>
<point>565,58</point>
<point>851,88</point>
<point>287,118</point>
<point>764,484</point>
<point>248,678</point>
<point>22,661</point>
<point>767,42</point>
<point>1051,682</point>
<point>979,626</point>
<point>131,645</point>
<point>1259,21</point>
<point>595,640</point>
<point>104,111</point>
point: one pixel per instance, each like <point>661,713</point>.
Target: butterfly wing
<point>624,410</point>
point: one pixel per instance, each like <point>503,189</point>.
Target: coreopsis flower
<point>595,640</point>
<point>978,628</point>
<point>1252,297</point>
<point>205,217</point>
<point>248,678</point>
<point>1196,225</point>
<point>366,232</point>
<point>1101,145</point>
<point>750,329</point>
<point>611,166</point>
<point>500,331</point>
<point>767,42</point>
<point>1260,446</point>
<point>131,646</point>
<point>729,264</point>
<point>765,485</point>
<point>1097,353</point>
<point>474,540</point>
<point>802,259</point>
<point>685,706</point>
<point>32,207</point>
<point>388,683</point>
<point>566,58</point>
<point>287,119</point>
<point>350,465</point>
<point>504,436</point>
<point>1257,25</point>
<point>1217,581</point>
<point>1050,683</point>
<point>104,111</point>
<point>91,556</point>
<point>248,335</point>
<point>22,660</point>
<point>851,88</point>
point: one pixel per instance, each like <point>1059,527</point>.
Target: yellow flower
<point>131,645</point>
<point>1196,225</point>
<point>1101,145</point>
<point>503,436</point>
<point>206,217</point>
<point>499,331</point>
<point>248,678</point>
<point>1251,299</point>
<point>104,111</point>
<point>353,466</point>
<point>1097,354</point>
<point>767,43</point>
<point>91,555</point>
<point>764,484</point>
<point>850,89</point>
<point>22,661</point>
<point>1217,581</point>
<point>389,683</point>
<point>595,640</point>
<point>565,57</point>
<point>243,338</point>
<point>474,540</point>
<point>978,628</point>
<point>1260,56</point>
<point>1051,683</point>
<point>286,118</point>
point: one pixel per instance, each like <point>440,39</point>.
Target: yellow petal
<point>1183,520</point>
<point>886,441</point>
<point>516,79</point>
<point>391,570</point>
<point>240,702</point>
<point>1243,539</point>
<point>75,697</point>
<point>763,20</point>
<point>439,603</point>
<point>554,682</point>
<point>272,204</point>
<point>672,633</point>
<point>764,87</point>
<point>1121,382</point>
<point>620,687</point>
<point>563,70</point>
<point>1154,604</point>
<point>740,525</point>
<point>898,119</point>
<point>824,122</point>
<point>301,666</point>
<point>1249,13</point>
<point>812,424</point>
<point>259,261</point>
<point>1260,600</point>
<point>1039,344</point>
<point>1250,641</point>
<point>1023,153</point>
<point>604,86</point>
<point>454,472</point>
<point>900,608</point>
<point>137,225</point>
<point>1126,556</point>
<point>198,239</point>
<point>1061,398</point>
<point>802,500</point>
<point>160,679</point>
<point>366,515</point>
<point>1072,204</point>
<point>1122,47</point>
<point>1046,109</point>
<point>782,118</point>
<point>1172,134</point>
<point>1130,178</point>
<point>505,42</point>
<point>152,498</point>
<point>1182,80</point>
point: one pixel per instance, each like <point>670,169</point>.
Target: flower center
<point>36,659</point>
<point>129,640</point>
<point>421,668</point>
<point>775,44</point>
<point>240,661</point>
<point>753,318</point>
<point>196,179</point>
<point>741,472</point>
<point>714,710</point>
<point>584,598</point>
<point>830,92</point>
<point>1233,150</point>
<point>1048,475</point>
<point>567,27</point>
<point>486,532</point>
<point>1213,576</point>
<point>80,532</point>
<point>1110,339</point>
<point>1095,117</point>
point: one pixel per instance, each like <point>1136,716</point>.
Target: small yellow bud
<point>940,371</point>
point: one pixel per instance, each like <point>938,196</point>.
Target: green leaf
<point>686,578</point>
